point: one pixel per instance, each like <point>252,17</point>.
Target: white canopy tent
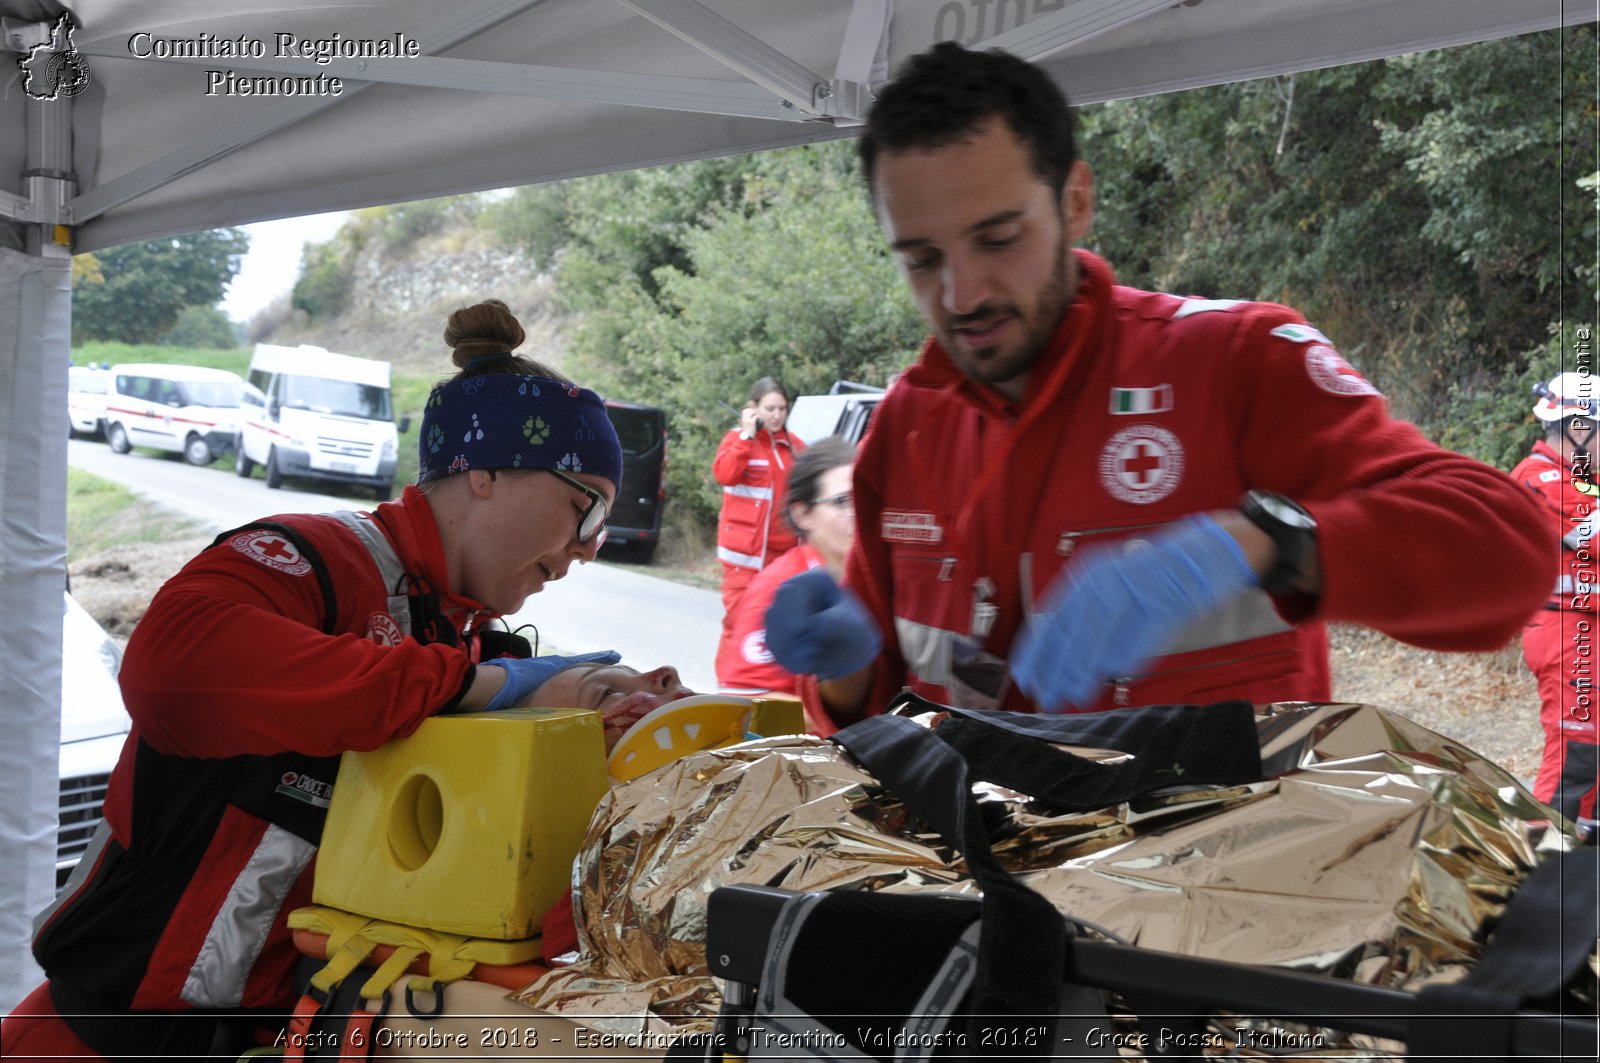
<point>500,92</point>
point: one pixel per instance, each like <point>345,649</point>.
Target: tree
<point>694,281</point>
<point>145,286</point>
<point>1422,211</point>
<point>202,327</point>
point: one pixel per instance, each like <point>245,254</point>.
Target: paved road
<point>649,620</point>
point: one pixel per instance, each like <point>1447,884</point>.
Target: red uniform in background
<point>1558,643</point>
<point>744,664</point>
<point>1143,409</point>
<point>751,532</point>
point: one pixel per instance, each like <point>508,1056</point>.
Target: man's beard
<point>991,366</point>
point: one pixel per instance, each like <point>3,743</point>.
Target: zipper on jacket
<point>1069,539</point>
<point>984,611</point>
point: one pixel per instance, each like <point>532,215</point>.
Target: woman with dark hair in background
<point>285,643</point>
<point>819,508</point>
<point>752,465</point>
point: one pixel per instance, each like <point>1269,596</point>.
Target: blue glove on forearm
<point>1116,608</point>
<point>524,675</point>
<point>815,627</point>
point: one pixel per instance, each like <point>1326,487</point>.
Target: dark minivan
<point>636,518</point>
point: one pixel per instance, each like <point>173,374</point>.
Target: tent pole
<point>35,347</point>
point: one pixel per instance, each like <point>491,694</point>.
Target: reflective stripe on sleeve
<point>239,932</point>
<point>743,491</point>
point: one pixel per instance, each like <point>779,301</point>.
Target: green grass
<point>108,352</point>
<point>102,514</point>
<point>409,392</point>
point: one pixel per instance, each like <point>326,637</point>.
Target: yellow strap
<point>389,972</point>
<point>442,969</point>
<point>343,962</point>
<point>342,928</point>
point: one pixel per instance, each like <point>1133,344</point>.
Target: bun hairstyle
<point>481,338</point>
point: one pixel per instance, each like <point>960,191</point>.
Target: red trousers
<point>37,1032</point>
<point>1561,648</point>
<point>735,578</point>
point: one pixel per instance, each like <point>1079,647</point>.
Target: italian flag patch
<point>1128,401</point>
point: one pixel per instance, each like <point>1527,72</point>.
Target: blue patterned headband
<point>507,421</point>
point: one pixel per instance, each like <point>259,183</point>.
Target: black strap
<point>330,604</point>
<point>1023,943</point>
<point>1540,943</point>
<point>1173,745</point>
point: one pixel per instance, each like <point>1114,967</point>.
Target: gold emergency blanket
<point>1376,852</point>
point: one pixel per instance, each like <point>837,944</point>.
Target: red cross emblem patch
<point>1141,464</point>
<point>1330,372</point>
<point>271,549</point>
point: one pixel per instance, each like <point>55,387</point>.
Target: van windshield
<point>219,393</point>
<point>344,398</point>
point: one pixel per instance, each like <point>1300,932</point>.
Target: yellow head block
<point>468,826</point>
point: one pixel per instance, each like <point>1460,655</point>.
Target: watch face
<point>1285,511</point>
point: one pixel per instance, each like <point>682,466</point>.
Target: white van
<point>309,412</point>
<point>845,412</point>
<point>188,409</point>
<point>86,399</point>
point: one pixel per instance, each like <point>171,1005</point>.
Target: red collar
<point>1545,452</point>
<point>410,524</point>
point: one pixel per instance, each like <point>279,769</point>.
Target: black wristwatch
<point>1292,530</point>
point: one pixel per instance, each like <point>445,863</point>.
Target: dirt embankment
<point>1485,701</point>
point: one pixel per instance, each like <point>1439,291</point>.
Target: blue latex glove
<point>1115,609</point>
<point>524,675</point>
<point>816,627</point>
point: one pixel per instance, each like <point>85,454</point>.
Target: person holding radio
<point>752,465</point>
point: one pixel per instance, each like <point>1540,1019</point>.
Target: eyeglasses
<point>844,501</point>
<point>594,518</point>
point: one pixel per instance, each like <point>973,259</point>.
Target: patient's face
<point>621,695</point>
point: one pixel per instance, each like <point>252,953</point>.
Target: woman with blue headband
<point>285,643</point>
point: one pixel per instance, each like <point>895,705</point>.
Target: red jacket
<point>754,474</point>
<point>743,661</point>
<point>1146,408</point>
<point>1570,516</point>
<point>243,692</point>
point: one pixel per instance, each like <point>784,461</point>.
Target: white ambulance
<point>189,409</point>
<point>312,413</point>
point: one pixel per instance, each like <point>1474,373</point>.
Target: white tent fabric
<point>34,305</point>
<point>500,92</point>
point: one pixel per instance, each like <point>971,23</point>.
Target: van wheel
<point>644,552</point>
<point>118,439</point>
<point>274,476</point>
<point>196,451</point>
<point>241,464</point>
<point>384,492</point>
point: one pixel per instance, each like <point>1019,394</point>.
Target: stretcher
<point>441,855</point>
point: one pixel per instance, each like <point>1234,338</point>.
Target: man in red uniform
<point>1083,495</point>
<point>1558,642</point>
